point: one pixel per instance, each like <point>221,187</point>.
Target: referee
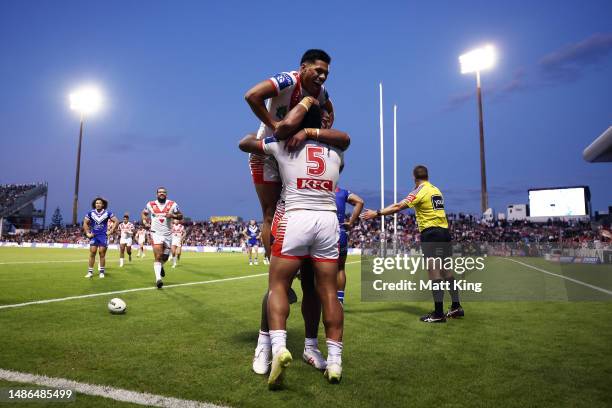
<point>428,204</point>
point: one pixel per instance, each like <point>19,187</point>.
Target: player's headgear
<point>420,173</point>
<point>314,54</point>
<point>104,202</point>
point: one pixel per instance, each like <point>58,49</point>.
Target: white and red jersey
<point>289,93</point>
<point>160,223</point>
<point>126,230</point>
<point>141,235</point>
<point>178,230</point>
<point>309,175</point>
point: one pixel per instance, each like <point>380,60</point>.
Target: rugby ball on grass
<point>117,306</point>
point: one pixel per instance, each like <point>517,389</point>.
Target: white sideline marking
<point>116,292</point>
<point>588,285</point>
<point>105,391</point>
<point>41,262</point>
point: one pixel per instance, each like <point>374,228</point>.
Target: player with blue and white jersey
<point>252,234</point>
<point>271,100</point>
<point>342,197</point>
<point>97,229</point>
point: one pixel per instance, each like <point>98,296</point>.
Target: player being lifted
<point>126,229</point>
<point>96,228</point>
<point>141,238</point>
<point>342,197</point>
<point>252,235</point>
<point>161,212</point>
<point>178,234</point>
<point>270,101</point>
<point>309,168</point>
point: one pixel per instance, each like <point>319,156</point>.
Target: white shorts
<point>264,169</point>
<point>141,243</point>
<point>159,239</point>
<point>176,242</point>
<point>127,241</point>
<point>300,234</point>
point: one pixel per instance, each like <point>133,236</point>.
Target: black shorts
<point>436,242</point>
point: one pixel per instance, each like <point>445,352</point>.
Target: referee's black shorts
<point>436,242</point>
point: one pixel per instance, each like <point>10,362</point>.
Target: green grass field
<point>196,342</point>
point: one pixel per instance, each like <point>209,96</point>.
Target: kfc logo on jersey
<point>314,184</point>
<point>283,80</point>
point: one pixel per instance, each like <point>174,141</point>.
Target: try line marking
<point>117,394</point>
<point>588,285</point>
<point>117,292</point>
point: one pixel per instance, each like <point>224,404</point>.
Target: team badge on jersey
<point>284,80</point>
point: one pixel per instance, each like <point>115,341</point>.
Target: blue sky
<point>174,75</point>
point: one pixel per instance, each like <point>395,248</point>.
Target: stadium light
<point>476,61</point>
<point>86,100</point>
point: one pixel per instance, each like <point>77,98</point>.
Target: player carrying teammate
<point>126,229</point>
<point>141,238</point>
<point>308,229</point>
<point>161,213</point>
<point>178,234</point>
<point>342,197</point>
<point>282,92</point>
<point>96,228</point>
<point>252,234</point>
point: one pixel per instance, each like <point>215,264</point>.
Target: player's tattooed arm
<point>256,98</point>
<point>250,144</point>
<point>329,107</point>
<point>292,121</point>
<point>112,229</point>
<point>332,137</point>
<point>357,203</point>
<point>144,217</point>
<point>86,229</point>
<point>177,215</point>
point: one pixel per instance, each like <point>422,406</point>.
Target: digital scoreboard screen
<point>559,202</point>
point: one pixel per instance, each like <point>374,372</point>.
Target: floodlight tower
<point>85,101</point>
<point>476,61</point>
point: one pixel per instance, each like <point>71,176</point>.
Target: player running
<point>252,235</point>
<point>161,213</point>
<point>342,197</point>
<point>96,228</point>
<point>282,92</point>
<point>126,229</point>
<point>178,234</point>
<point>308,229</point>
<point>141,238</point>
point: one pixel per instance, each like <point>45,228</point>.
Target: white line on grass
<point>41,262</point>
<point>105,391</point>
<point>117,292</point>
<point>588,285</point>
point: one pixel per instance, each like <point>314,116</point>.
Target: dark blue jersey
<point>98,221</point>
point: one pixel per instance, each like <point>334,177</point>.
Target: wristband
<point>306,102</point>
<point>305,106</point>
<point>378,213</point>
<point>318,131</point>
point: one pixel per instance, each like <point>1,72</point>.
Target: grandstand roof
<point>601,148</point>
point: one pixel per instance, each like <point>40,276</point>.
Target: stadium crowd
<point>464,228</point>
<point>10,193</point>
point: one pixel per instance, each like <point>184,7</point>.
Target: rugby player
<point>141,237</point>
<point>428,204</point>
<point>161,212</point>
<point>252,234</point>
<point>97,229</point>
<point>308,229</point>
<point>342,197</point>
<point>310,305</point>
<point>282,92</point>
<point>178,234</point>
<point>126,229</point>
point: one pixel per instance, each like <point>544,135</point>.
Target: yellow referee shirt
<point>428,205</point>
